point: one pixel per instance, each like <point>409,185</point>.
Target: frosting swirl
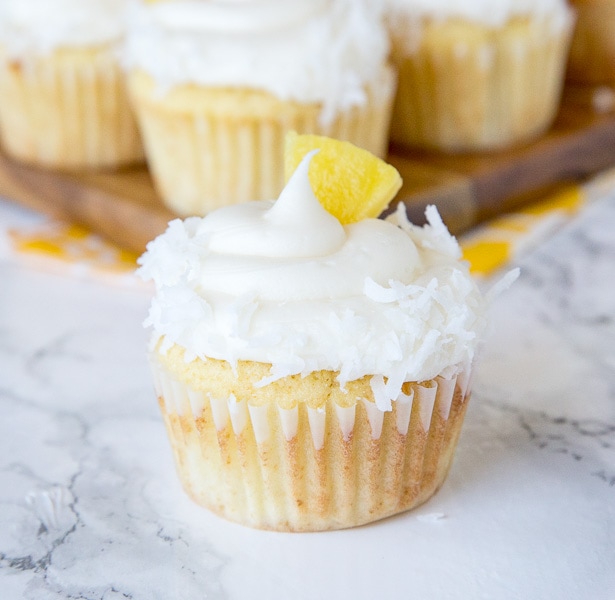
<point>285,283</point>
<point>294,249</point>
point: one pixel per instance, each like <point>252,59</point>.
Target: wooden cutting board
<point>124,207</point>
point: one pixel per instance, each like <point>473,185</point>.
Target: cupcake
<point>217,84</point>
<point>476,76</point>
<point>311,375</point>
<point>63,102</point>
<point>592,52</point>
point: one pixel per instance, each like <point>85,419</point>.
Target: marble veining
<point>91,509</point>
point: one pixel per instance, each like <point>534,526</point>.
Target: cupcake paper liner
<point>207,148</point>
<point>67,110</point>
<point>309,469</point>
<point>466,87</point>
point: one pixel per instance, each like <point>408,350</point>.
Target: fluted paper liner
<point>470,88</point>
<point>67,110</point>
<point>309,469</point>
<point>208,148</point>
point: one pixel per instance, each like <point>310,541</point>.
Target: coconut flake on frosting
<point>325,51</point>
<point>385,299</point>
<point>41,26</point>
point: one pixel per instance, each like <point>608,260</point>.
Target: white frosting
<point>41,26</point>
<point>284,283</point>
<point>235,16</point>
<point>493,13</point>
<point>307,50</point>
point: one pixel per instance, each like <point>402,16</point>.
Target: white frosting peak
<point>281,229</point>
<point>380,298</point>
<point>297,205</point>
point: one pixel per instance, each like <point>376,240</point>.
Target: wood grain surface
<point>124,206</point>
<point>471,188</point>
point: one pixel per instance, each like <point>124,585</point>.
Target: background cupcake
<point>62,96</point>
<point>311,375</point>
<point>217,84</point>
<point>592,52</point>
<point>476,76</point>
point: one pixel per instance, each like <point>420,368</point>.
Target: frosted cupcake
<point>311,375</point>
<point>63,101</point>
<point>477,76</point>
<point>217,84</point>
<point>592,52</point>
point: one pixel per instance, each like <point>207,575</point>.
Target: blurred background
<point>117,116</point>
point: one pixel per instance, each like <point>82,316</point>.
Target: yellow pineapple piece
<point>351,183</point>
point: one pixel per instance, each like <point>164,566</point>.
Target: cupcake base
<point>311,466</point>
<point>465,87</point>
<point>209,147</point>
<point>67,110</point>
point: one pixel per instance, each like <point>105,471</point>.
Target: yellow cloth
<point>493,245</point>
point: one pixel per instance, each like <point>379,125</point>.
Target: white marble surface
<point>90,507</point>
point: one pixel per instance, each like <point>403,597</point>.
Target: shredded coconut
<point>394,302</point>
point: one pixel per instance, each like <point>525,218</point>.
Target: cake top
<point>489,12</point>
<point>286,283</point>
<point>40,26</point>
<point>310,51</point>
